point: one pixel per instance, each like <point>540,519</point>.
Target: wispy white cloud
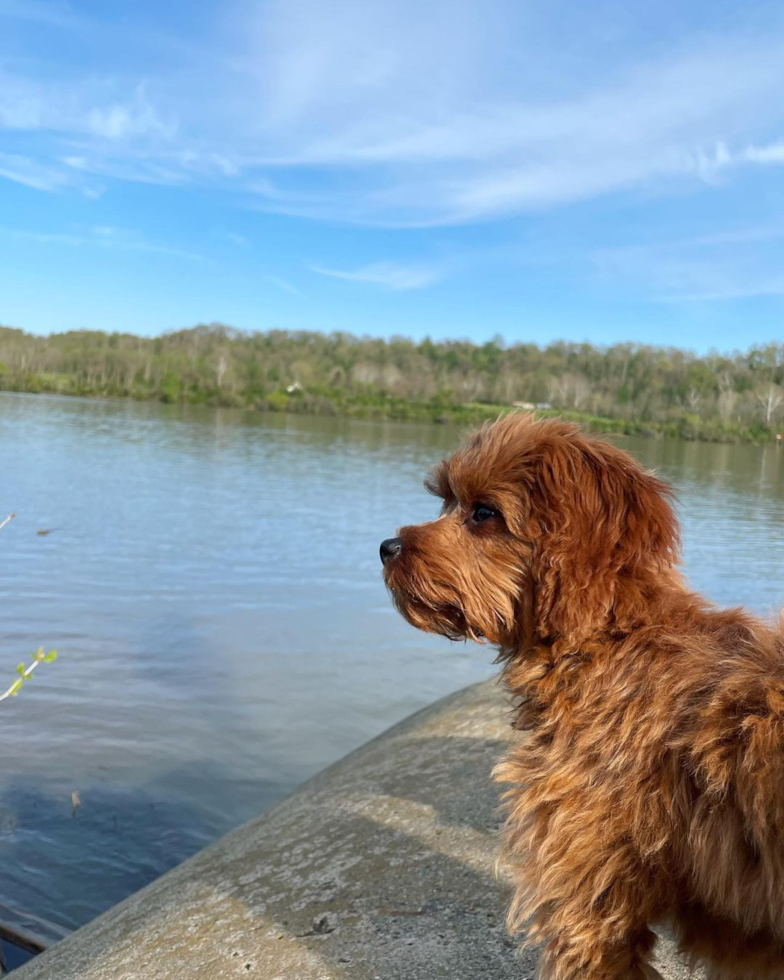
<point>390,275</point>
<point>773,153</point>
<point>107,131</point>
<point>87,107</point>
<point>734,264</point>
<point>431,133</point>
<point>32,173</point>
<point>131,166</point>
<point>101,236</point>
<point>279,283</point>
<point>712,162</point>
<point>136,117</point>
<point>398,113</point>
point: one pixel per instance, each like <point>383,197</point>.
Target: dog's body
<point>651,784</point>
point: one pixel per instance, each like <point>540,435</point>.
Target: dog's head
<point>543,532</point>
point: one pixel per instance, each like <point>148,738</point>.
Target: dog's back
<point>732,742</point>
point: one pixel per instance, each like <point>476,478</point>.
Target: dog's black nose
<point>390,548</point>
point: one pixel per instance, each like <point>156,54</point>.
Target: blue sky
<point>602,171</point>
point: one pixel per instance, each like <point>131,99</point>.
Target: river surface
<point>211,581</point>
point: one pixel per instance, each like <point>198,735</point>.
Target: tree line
<point>625,387</point>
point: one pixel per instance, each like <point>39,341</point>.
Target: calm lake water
<point>211,580</point>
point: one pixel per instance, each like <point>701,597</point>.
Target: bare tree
<point>221,367</point>
<point>728,397</point>
<point>726,403</point>
<point>571,391</point>
<point>771,397</point>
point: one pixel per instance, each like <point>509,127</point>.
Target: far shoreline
<point>687,429</point>
<point>626,389</point>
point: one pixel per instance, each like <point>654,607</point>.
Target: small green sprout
<point>39,657</point>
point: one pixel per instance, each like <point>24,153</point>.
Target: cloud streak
<point>31,173</point>
<point>101,236</point>
<point>104,110</point>
<point>730,265</point>
<point>283,284</point>
<point>390,275</point>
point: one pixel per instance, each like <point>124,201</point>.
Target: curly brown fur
<point>651,784</point>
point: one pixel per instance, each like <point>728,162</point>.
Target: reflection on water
<point>212,582</point>
<point>731,502</point>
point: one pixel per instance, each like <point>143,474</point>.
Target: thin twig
<point>38,657</point>
<point>15,686</point>
<point>24,672</point>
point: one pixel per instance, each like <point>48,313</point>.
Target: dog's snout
<point>390,548</point>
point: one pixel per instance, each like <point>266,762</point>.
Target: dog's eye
<point>483,513</point>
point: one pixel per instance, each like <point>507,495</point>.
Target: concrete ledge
<point>380,868</point>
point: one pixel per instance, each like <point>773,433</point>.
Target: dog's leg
<point>724,950</point>
<point>580,889</point>
<point>586,956</point>
<point>589,912</point>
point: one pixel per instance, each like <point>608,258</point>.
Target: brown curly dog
<point>651,785</point>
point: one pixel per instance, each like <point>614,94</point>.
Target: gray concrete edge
<point>381,867</point>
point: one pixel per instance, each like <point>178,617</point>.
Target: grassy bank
<point>660,392</point>
<point>380,406</point>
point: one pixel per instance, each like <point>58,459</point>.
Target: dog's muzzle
<point>390,549</point>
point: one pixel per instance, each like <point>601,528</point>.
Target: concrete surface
<point>380,868</point>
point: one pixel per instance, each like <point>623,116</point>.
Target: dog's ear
<point>602,527</point>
